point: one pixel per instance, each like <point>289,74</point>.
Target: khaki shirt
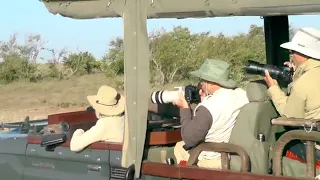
<point>304,93</point>
<point>109,129</point>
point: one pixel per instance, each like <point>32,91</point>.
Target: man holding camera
<point>303,99</point>
<point>214,117</point>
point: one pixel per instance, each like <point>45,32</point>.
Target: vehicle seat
<point>160,154</point>
<point>254,118</point>
<point>295,168</point>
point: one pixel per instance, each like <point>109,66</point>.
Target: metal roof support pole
<point>136,67</point>
<point>276,29</point>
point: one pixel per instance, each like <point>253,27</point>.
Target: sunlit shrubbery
<point>173,54</point>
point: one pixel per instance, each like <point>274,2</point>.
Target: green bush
<point>19,61</point>
<point>81,63</point>
<point>173,54</point>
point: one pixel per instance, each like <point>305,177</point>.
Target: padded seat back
<point>254,119</point>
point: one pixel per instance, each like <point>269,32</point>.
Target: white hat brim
<point>107,110</point>
<point>306,51</point>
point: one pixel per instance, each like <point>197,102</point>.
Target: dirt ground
<point>38,100</point>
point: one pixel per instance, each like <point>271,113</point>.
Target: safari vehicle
<point>41,151</point>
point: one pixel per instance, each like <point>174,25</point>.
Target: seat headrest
<point>257,91</point>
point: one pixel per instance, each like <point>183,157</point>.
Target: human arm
<point>194,130</point>
<point>288,106</point>
<point>81,139</point>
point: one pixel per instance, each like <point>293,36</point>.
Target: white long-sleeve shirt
<point>109,129</point>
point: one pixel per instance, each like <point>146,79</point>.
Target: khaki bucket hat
<point>216,71</point>
<point>107,101</point>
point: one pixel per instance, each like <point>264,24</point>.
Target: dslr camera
<point>282,74</point>
<point>190,92</point>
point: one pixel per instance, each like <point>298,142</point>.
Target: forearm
<point>80,140</point>
<point>292,105</point>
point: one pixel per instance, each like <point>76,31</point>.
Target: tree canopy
<point>173,54</point>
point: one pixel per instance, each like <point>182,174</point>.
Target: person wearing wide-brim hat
<point>214,117</point>
<point>303,100</point>
<point>109,106</point>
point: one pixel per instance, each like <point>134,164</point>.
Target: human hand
<point>270,82</point>
<point>181,101</point>
<point>290,65</point>
<point>78,132</point>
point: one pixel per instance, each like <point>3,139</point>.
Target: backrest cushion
<point>254,118</point>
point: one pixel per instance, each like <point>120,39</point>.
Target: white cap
<point>306,41</point>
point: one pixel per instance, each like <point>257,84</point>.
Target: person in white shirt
<point>109,106</point>
<point>213,118</point>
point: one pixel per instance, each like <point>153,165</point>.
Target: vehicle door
<point>61,163</point>
<point>12,156</point>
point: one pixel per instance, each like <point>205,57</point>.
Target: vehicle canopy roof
<point>91,9</point>
<point>135,14</point>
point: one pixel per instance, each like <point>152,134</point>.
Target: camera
<point>282,74</point>
<point>191,94</point>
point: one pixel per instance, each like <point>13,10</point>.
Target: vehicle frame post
<point>276,29</point>
<point>136,82</point>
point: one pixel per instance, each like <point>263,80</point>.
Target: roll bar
<point>310,134</point>
<point>224,149</point>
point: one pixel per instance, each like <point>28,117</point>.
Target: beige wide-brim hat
<point>306,41</point>
<point>216,71</point>
<point>107,101</point>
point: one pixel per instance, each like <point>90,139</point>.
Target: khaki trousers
<point>182,154</point>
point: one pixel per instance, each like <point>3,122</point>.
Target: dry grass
<point>40,99</point>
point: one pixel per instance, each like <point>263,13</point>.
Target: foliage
<point>113,61</point>
<point>81,63</point>
<point>54,71</point>
<point>19,61</point>
<point>173,54</point>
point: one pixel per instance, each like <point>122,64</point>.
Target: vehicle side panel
<point>62,164</point>
<point>147,177</point>
<point>116,171</point>
<point>12,158</point>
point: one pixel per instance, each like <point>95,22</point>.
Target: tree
<point>81,63</point>
<point>174,54</point>
<point>113,61</point>
<point>20,61</point>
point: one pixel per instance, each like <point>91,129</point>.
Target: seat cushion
<point>253,119</point>
<point>294,168</point>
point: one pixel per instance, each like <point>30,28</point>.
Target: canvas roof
<point>90,9</point>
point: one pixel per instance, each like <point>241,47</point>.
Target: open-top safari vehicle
<point>40,150</point>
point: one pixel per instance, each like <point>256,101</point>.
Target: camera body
<point>282,73</point>
<point>190,92</point>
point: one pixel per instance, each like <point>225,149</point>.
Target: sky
<point>26,17</point>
